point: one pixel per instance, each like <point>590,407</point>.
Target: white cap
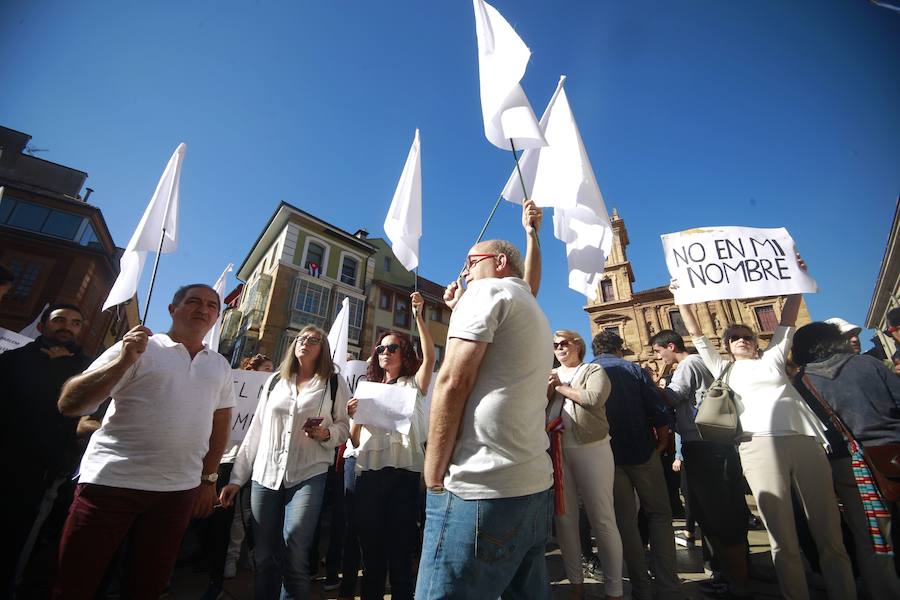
<point>848,329</point>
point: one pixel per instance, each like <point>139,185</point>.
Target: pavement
<point>189,581</point>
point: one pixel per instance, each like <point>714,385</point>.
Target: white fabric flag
<point>502,58</point>
<point>561,176</point>
<point>211,339</point>
<point>162,211</point>
<point>403,224</point>
<point>337,337</point>
<point>31,329</point>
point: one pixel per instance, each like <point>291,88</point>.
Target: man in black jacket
<point>38,445</point>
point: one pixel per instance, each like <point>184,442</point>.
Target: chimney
<point>361,234</point>
<point>87,194</point>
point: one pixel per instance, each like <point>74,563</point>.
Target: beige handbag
<point>717,418</point>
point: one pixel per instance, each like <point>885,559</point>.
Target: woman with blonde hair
<point>299,421</point>
<point>577,393</point>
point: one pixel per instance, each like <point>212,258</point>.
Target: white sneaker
<point>230,571</point>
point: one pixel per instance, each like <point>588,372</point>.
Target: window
<point>349,267</point>
<point>315,254</point>
<point>438,355</point>
<point>384,300</point>
<point>615,330</point>
<point>678,323</point>
<point>607,292</point>
<point>41,219</point>
<point>29,216</point>
<point>62,225</point>
<point>357,308</point>
<point>26,275</point>
<point>765,316</point>
<point>435,313</point>
<point>310,304</point>
<point>401,312</point>
<point>387,264</point>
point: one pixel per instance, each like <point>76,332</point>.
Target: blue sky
<point>693,113</point>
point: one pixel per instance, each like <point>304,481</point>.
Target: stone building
<point>56,244</point>
<point>388,307</point>
<point>886,294</point>
<point>637,315</point>
<point>297,272</point>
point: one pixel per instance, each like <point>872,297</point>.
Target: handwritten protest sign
<point>248,387</point>
<point>718,263</point>
<point>354,372</point>
<point>385,406</point>
<point>10,340</point>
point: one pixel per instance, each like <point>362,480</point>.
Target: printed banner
<point>10,340</point>
<point>719,263</point>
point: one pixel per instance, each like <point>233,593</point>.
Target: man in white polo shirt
<point>489,506</point>
<point>151,465</point>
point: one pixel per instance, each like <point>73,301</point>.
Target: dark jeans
<point>334,507</point>
<point>716,489</point>
<point>218,533</point>
<point>386,505</point>
<point>350,558</point>
<point>99,519</point>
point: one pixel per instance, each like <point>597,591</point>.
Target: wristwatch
<point>210,478</point>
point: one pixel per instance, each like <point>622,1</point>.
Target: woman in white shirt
<point>389,467</point>
<point>781,447</point>
<point>299,421</point>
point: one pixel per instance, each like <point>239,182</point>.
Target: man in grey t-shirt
<point>489,506</point>
<point>713,471</point>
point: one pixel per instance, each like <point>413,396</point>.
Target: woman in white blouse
<point>299,421</point>
<point>782,446</point>
<point>389,467</point>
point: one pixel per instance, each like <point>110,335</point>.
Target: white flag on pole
<point>211,339</point>
<point>403,224</point>
<point>502,58</point>
<point>31,329</point>
<point>561,176</point>
<point>340,331</point>
<point>161,212</point>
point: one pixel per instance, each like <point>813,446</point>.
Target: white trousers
<point>772,466</point>
<point>588,473</point>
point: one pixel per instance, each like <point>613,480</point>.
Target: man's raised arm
<point>451,392</point>
<point>82,394</point>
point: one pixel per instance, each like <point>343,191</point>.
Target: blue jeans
<point>284,523</point>
<point>485,549</point>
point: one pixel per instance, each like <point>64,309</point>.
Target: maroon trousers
<point>99,519</point>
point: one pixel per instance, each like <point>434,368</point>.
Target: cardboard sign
<point>719,263</point>
<point>10,340</point>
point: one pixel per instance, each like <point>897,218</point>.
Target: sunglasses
<point>561,344</point>
<point>391,348</point>
<point>745,337</point>
<point>474,259</point>
<point>309,340</point>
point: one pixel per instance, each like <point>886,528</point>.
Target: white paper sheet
<point>385,406</point>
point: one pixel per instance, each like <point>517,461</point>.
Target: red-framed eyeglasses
<point>470,264</point>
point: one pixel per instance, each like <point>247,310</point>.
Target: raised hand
<point>134,344</point>
<point>532,215</point>
<point>453,293</point>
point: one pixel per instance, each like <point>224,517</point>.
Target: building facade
<point>56,244</point>
<point>886,295</point>
<point>636,316</point>
<point>297,273</point>
<point>388,305</point>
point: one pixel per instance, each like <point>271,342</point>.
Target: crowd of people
<point>523,440</point>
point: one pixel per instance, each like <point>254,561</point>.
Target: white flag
<point>561,176</point>
<point>337,337</point>
<point>403,224</point>
<point>161,212</point>
<point>211,339</point>
<point>502,58</point>
<point>31,329</point>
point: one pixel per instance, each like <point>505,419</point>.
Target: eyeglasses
<point>311,340</point>
<point>746,337</point>
<point>470,263</point>
<point>561,344</point>
<point>391,348</point>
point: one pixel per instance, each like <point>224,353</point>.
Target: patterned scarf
<point>555,429</point>
<point>871,499</point>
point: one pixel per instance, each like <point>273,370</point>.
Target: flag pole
<point>524,192</point>
<point>484,228</point>
<point>162,238</point>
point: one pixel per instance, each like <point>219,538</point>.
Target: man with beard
<point>39,445</point>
